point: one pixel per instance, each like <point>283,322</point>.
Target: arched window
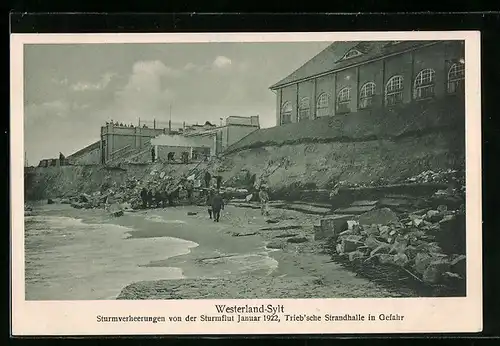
<point>344,100</point>
<point>394,90</point>
<point>322,105</point>
<point>366,95</point>
<point>424,84</point>
<point>456,77</point>
<point>304,109</point>
<point>286,113</point>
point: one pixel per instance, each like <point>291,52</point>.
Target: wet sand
<point>168,254</point>
<point>233,260</point>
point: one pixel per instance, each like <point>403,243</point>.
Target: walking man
<point>153,154</point>
<point>264,200</point>
<point>217,205</point>
<point>210,195</point>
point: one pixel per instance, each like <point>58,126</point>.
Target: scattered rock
<point>434,272</point>
<point>117,213</point>
<point>286,235</point>
<point>276,245</point>
<point>272,221</point>
<point>442,208</point>
<point>459,265</point>
<point>243,234</point>
<point>50,201</point>
<point>401,259</point>
<point>355,255</point>
<point>371,229</point>
<point>297,240</point>
<point>191,213</point>
<point>382,216</point>
<point>381,249</point>
<point>350,245</point>
<point>422,261</point>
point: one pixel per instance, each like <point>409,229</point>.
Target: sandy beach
<point>168,254</point>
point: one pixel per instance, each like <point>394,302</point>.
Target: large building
<point>352,76</point>
<point>121,142</point>
<point>205,141</point>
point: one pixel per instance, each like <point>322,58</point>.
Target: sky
<point>72,90</point>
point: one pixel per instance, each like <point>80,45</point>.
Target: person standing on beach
<point>149,198</point>
<point>207,178</point>
<point>217,205</point>
<point>144,197</point>
<point>219,181</point>
<point>210,195</point>
<point>189,189</point>
<point>264,200</point>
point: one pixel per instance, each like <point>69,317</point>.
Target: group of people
<point>158,198</point>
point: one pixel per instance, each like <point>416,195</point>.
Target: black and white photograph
<point>308,169</point>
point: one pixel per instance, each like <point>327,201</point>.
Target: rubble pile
<point>429,244</point>
<point>439,177</point>
<point>125,196</point>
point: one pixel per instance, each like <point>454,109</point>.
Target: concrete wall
<point>92,157</point>
<point>118,137</point>
<point>235,133</point>
<point>439,57</point>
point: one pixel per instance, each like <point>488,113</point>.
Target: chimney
<point>169,126</point>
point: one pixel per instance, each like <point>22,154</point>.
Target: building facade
<point>117,140</point>
<point>352,76</point>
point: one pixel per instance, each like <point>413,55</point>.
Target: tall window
<point>366,95</point>
<point>424,84</point>
<point>304,109</point>
<point>322,105</point>
<point>343,100</point>
<point>456,77</point>
<point>394,90</point>
<point>286,113</point>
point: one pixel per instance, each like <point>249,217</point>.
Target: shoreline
<point>237,257</point>
<point>303,269</point>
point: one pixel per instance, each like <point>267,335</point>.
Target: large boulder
<point>351,244</point>
<point>382,216</point>
<point>355,255</point>
<point>401,259</point>
<point>434,272</point>
<point>451,236</point>
<point>459,265</point>
<point>297,240</point>
<point>422,261</point>
<point>334,225</point>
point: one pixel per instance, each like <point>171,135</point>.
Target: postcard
<point>256,183</point>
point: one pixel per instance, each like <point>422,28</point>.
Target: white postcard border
<point>421,314</point>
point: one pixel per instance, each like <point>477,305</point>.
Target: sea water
<point>68,259</point>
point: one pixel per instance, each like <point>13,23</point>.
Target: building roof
<point>331,58</point>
